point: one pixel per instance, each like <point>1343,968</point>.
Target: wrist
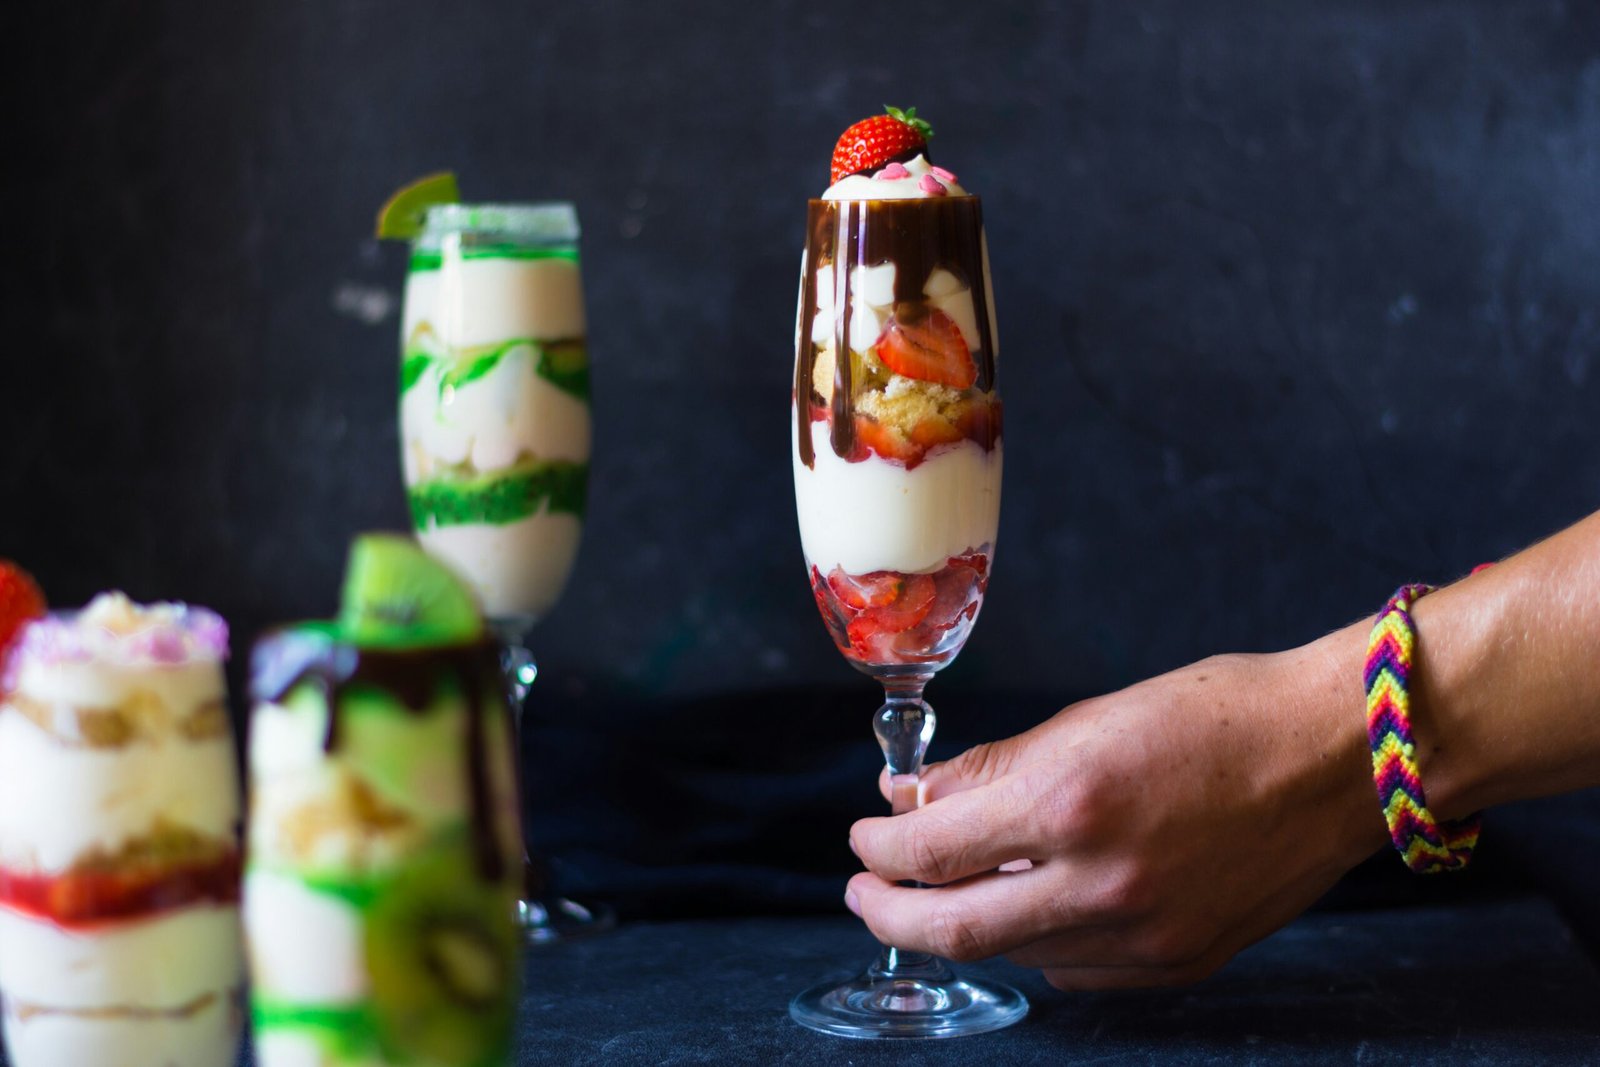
<point>1324,680</point>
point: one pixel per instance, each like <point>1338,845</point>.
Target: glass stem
<point>904,726</point>
<point>520,671</point>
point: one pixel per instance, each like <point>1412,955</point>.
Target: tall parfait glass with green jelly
<point>495,432</point>
<point>494,401</point>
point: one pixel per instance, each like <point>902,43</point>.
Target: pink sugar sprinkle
<point>930,185</point>
<point>892,173</point>
<point>940,172</point>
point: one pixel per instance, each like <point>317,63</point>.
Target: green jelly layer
<point>423,259</point>
<point>564,364</point>
<point>501,497</point>
<point>348,1025</point>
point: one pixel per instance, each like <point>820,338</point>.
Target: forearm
<point>1506,686</point>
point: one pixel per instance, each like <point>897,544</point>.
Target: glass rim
<point>548,221</point>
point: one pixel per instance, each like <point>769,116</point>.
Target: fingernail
<point>852,903</point>
<point>853,847</point>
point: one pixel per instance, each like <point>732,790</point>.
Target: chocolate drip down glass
<point>897,460</point>
<point>495,435</point>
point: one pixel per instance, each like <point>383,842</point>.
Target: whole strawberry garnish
<point>20,601</point>
<point>872,143</point>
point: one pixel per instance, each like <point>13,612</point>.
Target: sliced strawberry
<point>886,441</point>
<point>958,595</point>
<point>976,560</point>
<point>873,142</point>
<point>859,591</point>
<point>905,611</point>
<point>832,617</point>
<point>926,344</point>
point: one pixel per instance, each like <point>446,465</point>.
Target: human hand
<point>1168,825</point>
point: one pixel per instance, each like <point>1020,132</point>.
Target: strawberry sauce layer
<point>890,618</point>
<point>81,899</point>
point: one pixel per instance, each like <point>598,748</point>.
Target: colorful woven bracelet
<point>1427,845</point>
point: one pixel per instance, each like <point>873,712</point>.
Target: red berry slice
<point>861,591</point>
<point>916,596</point>
<point>926,344</point>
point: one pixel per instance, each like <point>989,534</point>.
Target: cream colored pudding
<point>119,852</point>
<point>875,515</point>
<point>494,414</point>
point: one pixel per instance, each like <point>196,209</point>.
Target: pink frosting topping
<point>115,630</point>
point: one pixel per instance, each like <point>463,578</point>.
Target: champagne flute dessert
<point>119,839</point>
<point>384,852</point>
<point>897,460</point>
<point>494,424</point>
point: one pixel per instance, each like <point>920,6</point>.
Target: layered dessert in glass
<point>897,462</point>
<point>119,841</point>
<point>494,411</point>
<point>897,454</point>
<point>384,852</point>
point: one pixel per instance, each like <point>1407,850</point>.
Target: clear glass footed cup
<point>384,853</point>
<point>897,458</point>
<point>495,433</point>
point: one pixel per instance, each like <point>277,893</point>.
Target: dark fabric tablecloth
<point>1486,983</point>
<point>1498,982</point>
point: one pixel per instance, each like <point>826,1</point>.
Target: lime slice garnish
<point>401,218</point>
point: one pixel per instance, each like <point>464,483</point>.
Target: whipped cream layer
<point>306,946</point>
<point>156,964</point>
<point>876,515</point>
<point>60,802</point>
<point>516,568</point>
<point>491,422</point>
<point>205,1034</point>
<point>898,181</point>
<point>484,301</point>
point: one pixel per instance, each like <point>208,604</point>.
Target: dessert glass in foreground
<point>494,422</point>
<point>897,460</point>
<point>119,850</point>
<point>384,849</point>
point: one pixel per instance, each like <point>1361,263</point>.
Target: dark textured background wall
<point>1297,301</point>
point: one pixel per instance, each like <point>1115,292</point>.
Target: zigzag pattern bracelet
<point>1427,846</point>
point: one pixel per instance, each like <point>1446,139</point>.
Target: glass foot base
<point>867,1006</point>
<point>551,920</point>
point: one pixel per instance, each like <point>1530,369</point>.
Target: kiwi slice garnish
<point>443,959</point>
<point>396,595</point>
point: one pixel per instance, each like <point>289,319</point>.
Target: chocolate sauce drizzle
<point>288,658</point>
<point>918,236</point>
